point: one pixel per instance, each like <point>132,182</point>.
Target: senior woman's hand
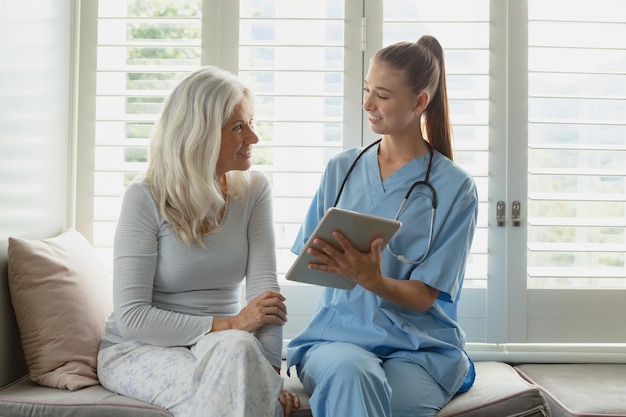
<point>289,401</point>
<point>267,308</point>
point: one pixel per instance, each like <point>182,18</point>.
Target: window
<point>538,106</point>
<point>576,149</point>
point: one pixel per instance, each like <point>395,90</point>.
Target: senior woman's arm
<point>261,273</point>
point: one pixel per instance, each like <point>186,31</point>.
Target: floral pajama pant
<point>224,375</point>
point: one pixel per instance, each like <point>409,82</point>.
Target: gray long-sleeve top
<point>166,293</point>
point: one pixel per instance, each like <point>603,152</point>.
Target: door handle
<point>500,213</point>
<point>516,213</point>
<point>516,216</point>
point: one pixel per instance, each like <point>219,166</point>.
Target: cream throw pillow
<point>61,296</point>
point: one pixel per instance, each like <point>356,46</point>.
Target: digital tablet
<point>359,228</point>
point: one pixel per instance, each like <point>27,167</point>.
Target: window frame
<point>508,320</point>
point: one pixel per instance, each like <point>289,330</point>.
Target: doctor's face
<point>238,136</point>
<point>391,107</point>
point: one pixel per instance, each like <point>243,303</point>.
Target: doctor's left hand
<point>360,267</point>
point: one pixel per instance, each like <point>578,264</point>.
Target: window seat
<point>501,389</point>
<point>533,390</point>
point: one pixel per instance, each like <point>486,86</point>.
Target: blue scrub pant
<point>347,380</point>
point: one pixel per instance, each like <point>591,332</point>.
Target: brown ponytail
<point>437,114</point>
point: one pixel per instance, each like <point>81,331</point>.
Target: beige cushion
<point>498,391</point>
<point>61,296</point>
<point>27,399</point>
<point>580,389</point>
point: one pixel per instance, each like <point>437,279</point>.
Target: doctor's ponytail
<point>437,114</point>
<point>423,64</point>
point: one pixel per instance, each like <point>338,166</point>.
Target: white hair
<point>184,149</point>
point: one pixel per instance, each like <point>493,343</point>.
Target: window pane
<point>462,28</point>
<point>144,49</point>
<point>577,144</point>
<point>291,53</point>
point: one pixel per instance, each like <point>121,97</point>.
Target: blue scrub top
<point>433,338</point>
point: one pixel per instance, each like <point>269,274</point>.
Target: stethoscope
<point>424,182</point>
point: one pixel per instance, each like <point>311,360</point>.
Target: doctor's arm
<point>446,260</point>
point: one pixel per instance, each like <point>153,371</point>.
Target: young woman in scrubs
<point>391,346</point>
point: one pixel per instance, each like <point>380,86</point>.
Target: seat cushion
<point>26,399</point>
<point>498,391</point>
<point>581,390</point>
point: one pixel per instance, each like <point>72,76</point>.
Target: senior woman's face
<point>238,136</point>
